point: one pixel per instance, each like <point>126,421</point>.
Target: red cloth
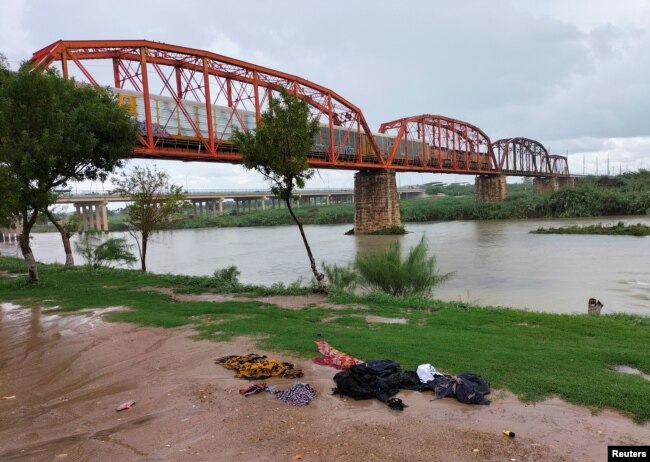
<point>333,357</point>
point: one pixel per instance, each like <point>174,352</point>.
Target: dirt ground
<point>61,378</point>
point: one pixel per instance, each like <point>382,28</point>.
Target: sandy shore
<point>63,376</point>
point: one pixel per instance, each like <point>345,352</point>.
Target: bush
<point>343,278</point>
<point>386,271</point>
<point>227,276</point>
<point>105,255</point>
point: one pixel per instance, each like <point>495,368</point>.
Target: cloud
<point>556,71</point>
<point>14,37</point>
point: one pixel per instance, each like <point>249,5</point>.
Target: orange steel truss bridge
<point>187,103</point>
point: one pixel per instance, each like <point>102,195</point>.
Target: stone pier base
<point>567,182</point>
<point>376,201</point>
<point>547,184</point>
<point>490,188</point>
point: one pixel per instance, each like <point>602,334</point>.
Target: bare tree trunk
<point>320,277</point>
<point>143,253</point>
<point>25,247</point>
<point>65,237</point>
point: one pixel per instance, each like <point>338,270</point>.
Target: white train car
<point>176,126</point>
<point>169,120</point>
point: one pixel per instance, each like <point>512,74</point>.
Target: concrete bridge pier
<point>566,182</point>
<point>545,184</point>
<point>11,234</point>
<point>376,201</point>
<point>94,216</point>
<point>490,188</point>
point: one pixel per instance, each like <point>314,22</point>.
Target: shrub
<point>110,252</point>
<point>341,277</point>
<point>227,276</point>
<point>386,271</point>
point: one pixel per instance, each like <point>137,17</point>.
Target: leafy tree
<point>9,201</point>
<point>66,228</point>
<point>8,204</point>
<point>53,131</point>
<point>278,149</point>
<point>154,200</point>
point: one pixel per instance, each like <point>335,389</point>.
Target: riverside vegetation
<point>619,229</point>
<point>593,196</point>
<point>535,355</point>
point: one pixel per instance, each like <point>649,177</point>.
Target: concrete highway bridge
<point>187,103</point>
<point>93,210</point>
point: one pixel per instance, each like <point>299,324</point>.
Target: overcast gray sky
<point>572,74</point>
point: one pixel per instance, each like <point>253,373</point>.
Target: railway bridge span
<point>187,103</point>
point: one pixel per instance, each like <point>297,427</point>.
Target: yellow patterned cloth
<point>256,367</point>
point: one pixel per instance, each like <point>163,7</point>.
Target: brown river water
<point>494,262</point>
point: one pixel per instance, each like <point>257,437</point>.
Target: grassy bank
<point>619,229</point>
<point>534,355</point>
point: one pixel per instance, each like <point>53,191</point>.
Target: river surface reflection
<point>495,262</point>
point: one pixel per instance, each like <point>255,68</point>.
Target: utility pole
<point>608,164</point>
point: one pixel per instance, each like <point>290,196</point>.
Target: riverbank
<point>67,374</point>
<point>619,229</point>
<point>534,355</point>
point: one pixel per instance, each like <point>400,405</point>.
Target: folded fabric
<point>333,357</point>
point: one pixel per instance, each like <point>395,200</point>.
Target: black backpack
<point>373,379</point>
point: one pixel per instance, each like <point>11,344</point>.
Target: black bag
<point>373,379</point>
<point>410,380</point>
<point>467,388</point>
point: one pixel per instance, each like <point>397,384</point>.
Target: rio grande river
<point>495,262</point>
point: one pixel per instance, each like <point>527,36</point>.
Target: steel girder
<point>559,165</point>
<point>155,68</point>
<point>441,144</point>
<point>423,143</point>
<point>522,156</point>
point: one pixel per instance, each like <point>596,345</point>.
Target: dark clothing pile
<point>382,379</point>
<point>467,388</point>
<point>372,379</point>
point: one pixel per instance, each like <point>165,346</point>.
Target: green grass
<point>619,229</point>
<point>535,355</point>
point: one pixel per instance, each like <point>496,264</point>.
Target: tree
<point>8,204</point>
<point>154,200</point>
<point>53,131</point>
<point>65,227</point>
<point>278,150</point>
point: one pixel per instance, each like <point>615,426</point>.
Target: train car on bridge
<point>178,127</point>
